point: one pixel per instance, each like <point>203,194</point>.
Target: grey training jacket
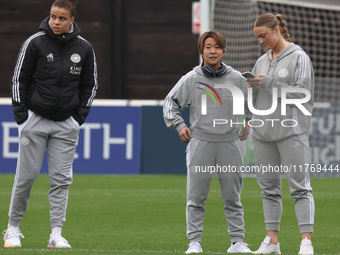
<point>210,102</point>
<point>291,69</point>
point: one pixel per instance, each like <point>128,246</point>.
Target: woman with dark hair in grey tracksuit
<point>281,141</point>
<point>213,138</point>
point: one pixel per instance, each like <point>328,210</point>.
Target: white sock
<point>56,231</point>
<point>11,227</point>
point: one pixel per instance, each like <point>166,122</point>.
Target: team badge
<point>50,58</point>
<point>75,58</point>
<point>25,141</point>
<point>283,72</point>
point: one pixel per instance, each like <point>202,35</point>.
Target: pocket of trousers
<point>75,122</point>
<point>22,125</point>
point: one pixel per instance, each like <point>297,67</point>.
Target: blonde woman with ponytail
<point>53,86</point>
<point>282,141</point>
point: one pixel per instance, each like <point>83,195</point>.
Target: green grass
<point>145,214</point>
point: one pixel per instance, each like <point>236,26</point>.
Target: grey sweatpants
<point>203,159</point>
<point>292,154</point>
<point>38,134</point>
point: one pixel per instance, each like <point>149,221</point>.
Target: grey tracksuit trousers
<point>38,134</point>
<point>203,155</point>
<point>292,153</point>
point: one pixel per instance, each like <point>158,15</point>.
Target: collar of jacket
<point>63,38</point>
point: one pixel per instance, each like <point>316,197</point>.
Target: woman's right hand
<point>255,82</point>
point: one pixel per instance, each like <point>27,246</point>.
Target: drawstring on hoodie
<point>271,62</point>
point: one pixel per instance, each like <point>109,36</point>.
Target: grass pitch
<point>145,214</point>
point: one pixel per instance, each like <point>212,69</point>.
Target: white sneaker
<point>239,247</point>
<point>57,241</point>
<point>12,237</point>
<point>306,247</point>
<point>194,247</point>
<point>267,248</point>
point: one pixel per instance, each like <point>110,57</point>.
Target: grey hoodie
<point>292,68</point>
<point>219,123</point>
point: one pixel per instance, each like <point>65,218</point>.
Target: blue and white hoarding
<point>109,141</point>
